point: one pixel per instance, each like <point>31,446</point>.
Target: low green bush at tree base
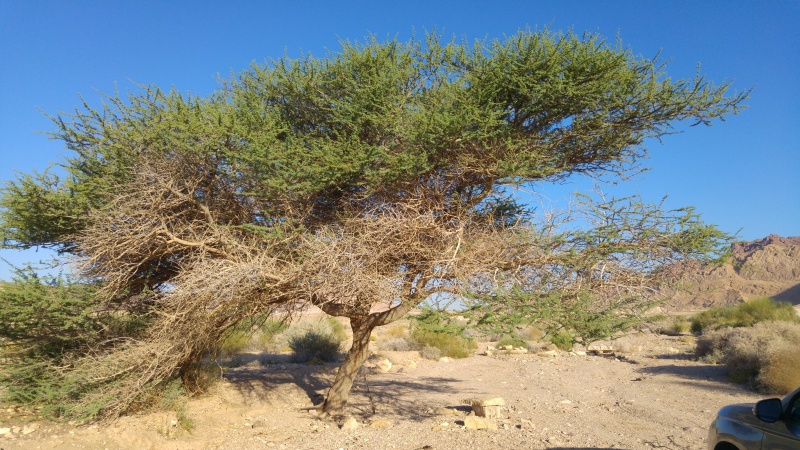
<point>453,346</point>
<point>314,345</point>
<point>438,329</point>
<point>744,315</point>
<point>315,340</point>
<point>44,322</point>
<point>513,340</point>
<point>563,340</point>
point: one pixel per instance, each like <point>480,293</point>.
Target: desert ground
<point>648,393</point>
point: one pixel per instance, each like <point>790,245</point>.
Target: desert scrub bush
<point>531,333</point>
<point>434,328</point>
<point>562,339</point>
<point>398,345</point>
<point>429,352</point>
<point>744,315</point>
<point>396,332</point>
<point>175,398</point>
<point>314,345</point>
<point>680,325</point>
<point>315,340</point>
<point>252,333</point>
<point>337,328</point>
<point>268,332</point>
<point>512,340</point>
<point>765,355</point>
<point>451,345</point>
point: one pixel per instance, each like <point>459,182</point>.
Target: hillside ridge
<point>768,267</point>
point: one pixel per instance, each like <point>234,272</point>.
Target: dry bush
<point>396,332</point>
<point>764,355</point>
<point>429,352</point>
<point>398,345</point>
<point>531,333</point>
<point>781,374</point>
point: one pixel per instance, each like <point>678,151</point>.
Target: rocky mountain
<point>767,267</point>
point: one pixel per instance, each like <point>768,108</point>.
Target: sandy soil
<point>649,394</point>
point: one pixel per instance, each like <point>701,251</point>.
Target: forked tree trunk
<point>358,354</point>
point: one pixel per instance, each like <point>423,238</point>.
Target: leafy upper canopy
<point>370,125</point>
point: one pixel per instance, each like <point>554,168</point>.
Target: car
<point>771,424</point>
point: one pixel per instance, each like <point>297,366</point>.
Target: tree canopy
<point>362,182</point>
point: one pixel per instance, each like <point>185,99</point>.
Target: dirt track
<point>652,395</point>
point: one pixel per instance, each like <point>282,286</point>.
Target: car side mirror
<point>769,410</point>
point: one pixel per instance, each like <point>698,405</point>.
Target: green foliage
<point>48,315</point>
<point>374,118</point>
<point>337,328</point>
<point>314,345</point>
<point>44,321</point>
<point>449,345</point>
<point>744,314</point>
<point>437,329</point>
<point>563,339</point>
<point>513,340</point>
<point>175,398</point>
<point>680,325</point>
<point>268,332</point>
<point>578,317</point>
<point>315,340</point>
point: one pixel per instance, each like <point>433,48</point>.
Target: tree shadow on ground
<point>270,379</point>
<point>714,377</point>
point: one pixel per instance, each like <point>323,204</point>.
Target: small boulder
<point>490,408</point>
<point>380,423</point>
<point>384,365</point>
<point>30,428</point>
<point>478,423</point>
<point>350,424</point>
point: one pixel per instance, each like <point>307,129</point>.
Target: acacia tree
<point>362,182</point>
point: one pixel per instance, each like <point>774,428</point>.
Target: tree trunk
<point>358,354</point>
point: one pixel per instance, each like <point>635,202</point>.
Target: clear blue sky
<point>740,174</point>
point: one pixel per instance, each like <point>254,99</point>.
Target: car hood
<point>741,412</point>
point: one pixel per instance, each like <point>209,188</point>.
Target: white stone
<point>350,424</point>
<point>384,365</point>
<point>477,423</point>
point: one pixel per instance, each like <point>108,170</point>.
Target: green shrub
<point>235,340</point>
<point>766,355</point>
<point>44,322</point>
<point>680,325</point>
<point>396,332</point>
<point>563,340</point>
<point>437,329</point>
<point>314,345</point>
<point>451,345</point>
<point>512,340</point>
<point>268,332</point>
<point>744,315</point>
<point>337,328</point>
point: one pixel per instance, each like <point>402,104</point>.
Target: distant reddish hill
<point>768,267</point>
